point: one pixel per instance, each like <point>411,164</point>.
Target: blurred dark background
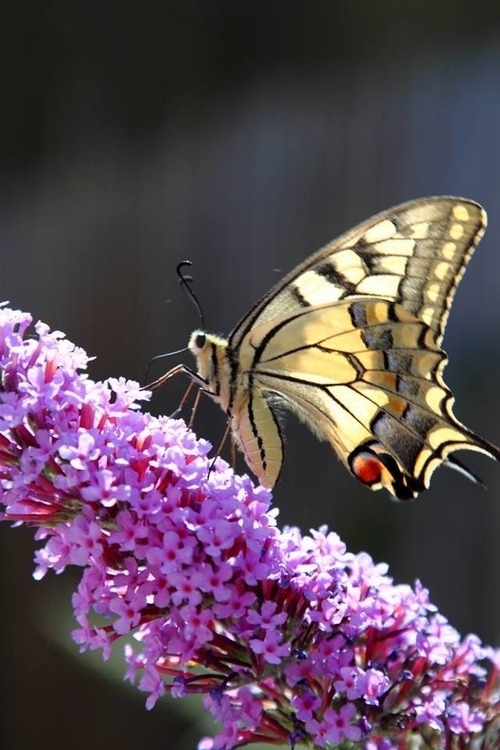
<point>243,137</point>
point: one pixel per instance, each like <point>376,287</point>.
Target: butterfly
<point>350,342</point>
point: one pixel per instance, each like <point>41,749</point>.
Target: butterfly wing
<point>350,341</point>
<point>364,374</point>
<point>415,254</point>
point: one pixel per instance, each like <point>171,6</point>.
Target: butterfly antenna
<point>185,282</point>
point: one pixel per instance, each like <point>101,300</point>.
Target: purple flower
<point>290,638</point>
<point>270,646</point>
<point>461,718</point>
<point>335,727</point>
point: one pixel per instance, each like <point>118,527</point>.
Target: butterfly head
<point>210,352</point>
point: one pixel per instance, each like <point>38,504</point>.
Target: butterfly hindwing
<point>350,341</point>
<point>362,372</point>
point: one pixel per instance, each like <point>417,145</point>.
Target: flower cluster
<point>291,639</point>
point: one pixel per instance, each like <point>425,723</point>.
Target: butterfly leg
<point>194,408</point>
<point>220,447</point>
<point>233,454</point>
<point>170,374</point>
<point>223,441</point>
<point>195,379</point>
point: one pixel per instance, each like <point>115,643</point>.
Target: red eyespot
<point>375,467</point>
<point>367,467</point>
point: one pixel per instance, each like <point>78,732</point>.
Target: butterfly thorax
<point>219,371</point>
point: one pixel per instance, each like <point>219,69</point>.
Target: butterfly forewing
<point>350,341</point>
<point>415,254</point>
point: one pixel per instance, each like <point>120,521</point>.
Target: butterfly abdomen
<point>254,426</point>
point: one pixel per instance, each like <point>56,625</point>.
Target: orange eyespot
<point>375,467</point>
<point>367,467</point>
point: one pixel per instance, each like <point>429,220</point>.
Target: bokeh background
<point>242,136</point>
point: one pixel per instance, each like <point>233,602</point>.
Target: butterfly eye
<point>200,340</point>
